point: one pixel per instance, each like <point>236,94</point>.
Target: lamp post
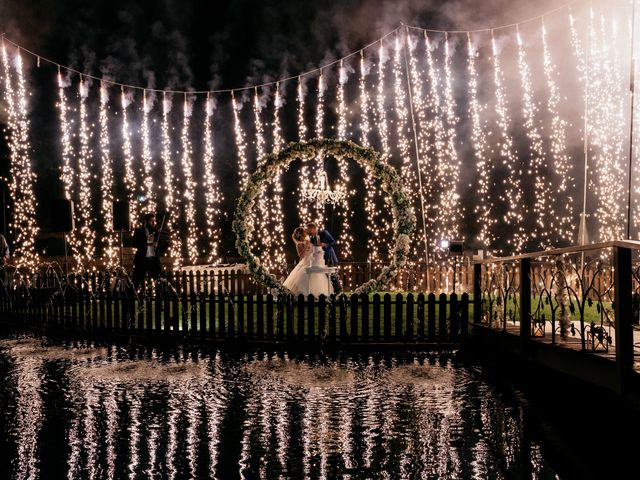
<point>455,249</point>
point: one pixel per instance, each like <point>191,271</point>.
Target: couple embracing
<point>315,249</point>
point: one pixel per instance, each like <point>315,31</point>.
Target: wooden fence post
<point>311,320</point>
<point>249,331</point>
<point>269,316</point>
<point>364,301</point>
<point>322,322</point>
<point>453,317</point>
<point>409,315</point>
<point>260,317</point>
<point>442,316</point>
<point>399,317</point>
<point>431,317</point>
<point>386,317</point>
<point>420,314</point>
<point>341,299</point>
<point>477,293</point>
<point>464,317</point>
<point>353,330</point>
<point>376,317</point>
<point>623,309</point>
<point>332,317</point>
<point>302,302</point>
<point>240,314</point>
<point>525,298</point>
<point>289,315</point>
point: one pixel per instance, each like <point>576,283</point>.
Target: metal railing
<point>586,297</point>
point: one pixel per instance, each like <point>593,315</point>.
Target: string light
<point>606,129</point>
<point>303,176</point>
<point>263,217</point>
<point>385,227</point>
<point>23,177</point>
<point>320,106</point>
<point>342,108</point>
<point>370,185</point>
<point>437,150</point>
<point>189,183</point>
<point>402,113</point>
<point>129,173</point>
<point>87,227</point>
<point>618,96</point>
<point>147,160</point>
<point>512,194</point>
<point>316,213</point>
<point>169,193</point>
<point>213,196</point>
<point>241,145</point>
<point>484,208</point>
<point>434,105</point>
<point>365,128</point>
<point>277,257</point>
<point>342,184</point>
<point>561,203</point>
<point>381,111</point>
<point>417,103</point>
<point>108,240</point>
<point>537,161</point>
<point>450,204</point>
<point>583,77</point>
<point>302,124</point>
<point>260,141</point>
<point>68,170</point>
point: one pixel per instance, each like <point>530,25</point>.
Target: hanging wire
<point>194,92</point>
<point>500,27</point>
<point>40,58</point>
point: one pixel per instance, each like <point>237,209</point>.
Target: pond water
<point>91,411</point>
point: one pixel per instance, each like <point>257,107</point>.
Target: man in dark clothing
<point>323,239</point>
<point>149,245</point>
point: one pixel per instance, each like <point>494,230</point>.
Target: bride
<point>299,280</point>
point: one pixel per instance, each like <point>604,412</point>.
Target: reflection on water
<point>85,412</point>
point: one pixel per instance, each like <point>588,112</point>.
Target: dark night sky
<point>177,43</point>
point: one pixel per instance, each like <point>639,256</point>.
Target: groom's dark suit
<point>322,236</point>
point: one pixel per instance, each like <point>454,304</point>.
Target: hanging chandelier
<point>321,192</point>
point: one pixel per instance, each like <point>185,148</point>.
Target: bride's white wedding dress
<point>316,283</point>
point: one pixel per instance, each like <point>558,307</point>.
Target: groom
<point>323,239</point>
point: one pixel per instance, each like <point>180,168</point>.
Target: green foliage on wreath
<point>404,219</point>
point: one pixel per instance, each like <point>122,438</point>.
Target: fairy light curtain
<point>492,131</point>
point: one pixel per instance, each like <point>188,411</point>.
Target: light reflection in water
<point>89,430</point>
<point>214,395</point>
<point>282,419</point>
<point>28,416</point>
<point>110,406</point>
<point>133,426</point>
<point>152,440</point>
<point>172,440</point>
<point>193,405</point>
<point>259,416</point>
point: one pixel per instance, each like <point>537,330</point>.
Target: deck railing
<point>584,297</point>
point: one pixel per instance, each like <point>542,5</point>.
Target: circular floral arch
<point>404,220</point>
